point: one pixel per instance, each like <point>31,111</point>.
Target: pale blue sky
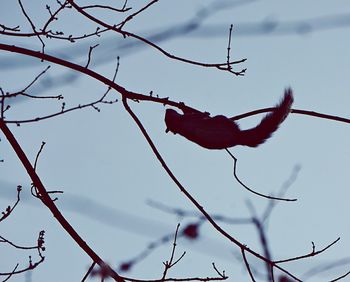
<point>103,157</point>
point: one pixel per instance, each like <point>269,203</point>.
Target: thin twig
<point>311,254</point>
<point>249,189</point>
<point>170,263</point>
<point>247,265</point>
<point>190,197</point>
<point>263,242</point>
<point>4,240</point>
<point>229,46</point>
<point>2,110</point>
<point>130,17</point>
<point>222,275</point>
<point>123,9</point>
<point>281,193</point>
<point>4,27</point>
<point>127,265</point>
<point>11,95</point>
<point>38,154</point>
<point>53,16</point>
<point>141,97</point>
<point>88,272</point>
<point>325,267</point>
<point>12,273</point>
<point>32,25</point>
<point>46,199</point>
<point>9,210</point>
<point>184,213</point>
<point>294,111</point>
<point>34,80</point>
<point>129,34</point>
<point>340,277</point>
<point>89,55</point>
<point>39,247</point>
<point>229,66</point>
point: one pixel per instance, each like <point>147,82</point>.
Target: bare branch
<point>247,265</point>
<point>123,9</point>
<point>4,27</point>
<point>294,111</point>
<point>12,273</point>
<point>128,34</point>
<point>22,92</point>
<point>281,193</point>
<point>325,267</point>
<point>45,198</point>
<point>140,97</point>
<point>311,254</point>
<point>263,242</point>
<point>222,275</point>
<point>130,17</point>
<point>88,272</point>
<point>340,277</point>
<point>170,263</point>
<point>89,56</point>
<point>191,198</point>
<point>184,213</point>
<point>39,247</point>
<point>249,189</point>
<point>10,209</point>
<point>38,154</point>
<point>32,25</point>
<point>53,16</point>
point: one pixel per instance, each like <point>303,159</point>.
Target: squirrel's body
<point>220,132</point>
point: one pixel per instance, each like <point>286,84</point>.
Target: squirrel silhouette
<point>220,132</point>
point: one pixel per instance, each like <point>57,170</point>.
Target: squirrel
<point>220,132</point>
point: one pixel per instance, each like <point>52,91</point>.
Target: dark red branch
<point>141,97</point>
<point>81,69</point>
<point>153,45</point>
<point>45,198</point>
<point>294,111</point>
<point>192,199</point>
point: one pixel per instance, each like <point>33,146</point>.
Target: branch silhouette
<point>243,247</point>
<point>140,97</point>
<point>47,201</point>
<point>183,124</point>
<point>146,41</point>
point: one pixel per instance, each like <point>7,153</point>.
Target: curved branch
<point>95,75</point>
<point>45,198</point>
<point>129,34</point>
<point>311,254</point>
<point>136,96</point>
<point>192,199</point>
<point>249,189</point>
<point>293,111</point>
<point>141,97</point>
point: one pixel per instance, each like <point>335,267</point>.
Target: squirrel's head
<point>172,119</point>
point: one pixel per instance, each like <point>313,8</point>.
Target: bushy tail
<point>269,124</point>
